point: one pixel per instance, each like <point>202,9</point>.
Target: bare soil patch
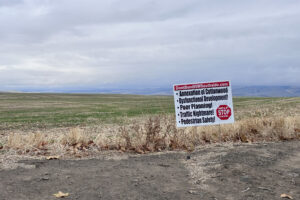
<point>231,171</point>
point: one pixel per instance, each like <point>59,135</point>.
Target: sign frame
<point>203,103</point>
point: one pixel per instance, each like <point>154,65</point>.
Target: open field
<point>81,124</point>
<point>25,111</point>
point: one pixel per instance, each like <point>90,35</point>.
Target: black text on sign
<point>198,104</point>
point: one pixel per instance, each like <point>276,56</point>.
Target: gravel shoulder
<point>227,171</point>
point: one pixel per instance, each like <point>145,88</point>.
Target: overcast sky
<point>144,43</point>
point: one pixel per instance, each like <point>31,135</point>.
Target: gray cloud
<point>7,3</point>
<point>64,43</point>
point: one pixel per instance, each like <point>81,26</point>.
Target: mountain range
<point>251,91</point>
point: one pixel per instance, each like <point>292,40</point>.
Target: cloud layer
<point>144,43</point>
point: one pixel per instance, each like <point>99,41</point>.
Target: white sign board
<point>199,104</point>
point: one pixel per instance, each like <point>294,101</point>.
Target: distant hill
<point>267,91</point>
<point>256,91</point>
<point>251,91</point>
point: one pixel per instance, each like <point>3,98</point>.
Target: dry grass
<point>32,140</point>
<point>27,142</point>
<point>156,133</point>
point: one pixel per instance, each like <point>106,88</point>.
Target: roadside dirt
<point>231,171</point>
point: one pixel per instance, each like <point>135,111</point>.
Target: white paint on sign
<point>199,104</point>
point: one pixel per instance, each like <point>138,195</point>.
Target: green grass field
<point>27,110</point>
<point>71,124</point>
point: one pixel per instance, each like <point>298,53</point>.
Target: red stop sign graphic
<point>223,112</point>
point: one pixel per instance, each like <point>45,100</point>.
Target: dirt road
<point>256,171</point>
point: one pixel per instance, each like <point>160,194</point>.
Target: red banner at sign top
<point>201,85</point>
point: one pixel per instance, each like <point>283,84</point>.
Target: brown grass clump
<point>269,129</point>
<point>76,140</point>
<point>139,137</point>
<point>27,142</point>
<point>74,137</point>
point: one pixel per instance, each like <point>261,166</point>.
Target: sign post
<point>200,104</point>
